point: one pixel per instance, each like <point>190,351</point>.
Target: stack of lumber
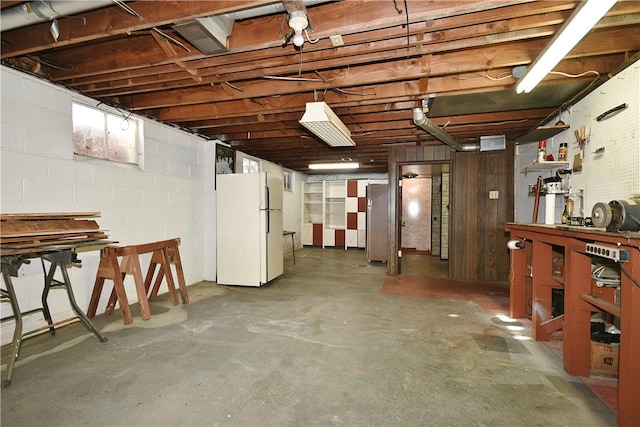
<point>31,232</point>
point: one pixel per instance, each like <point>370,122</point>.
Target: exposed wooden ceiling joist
<point>253,95</point>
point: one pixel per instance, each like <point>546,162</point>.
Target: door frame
<point>395,213</point>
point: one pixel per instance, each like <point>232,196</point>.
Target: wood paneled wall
<point>477,240</point>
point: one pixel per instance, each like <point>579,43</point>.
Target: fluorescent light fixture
<point>344,165</point>
<point>586,15</point>
<point>324,123</point>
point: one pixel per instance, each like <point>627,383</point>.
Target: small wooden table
<point>293,242</point>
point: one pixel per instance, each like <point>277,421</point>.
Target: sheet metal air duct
<point>34,12</point>
<point>423,122</point>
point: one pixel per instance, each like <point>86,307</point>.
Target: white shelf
<point>544,166</point>
<point>325,203</point>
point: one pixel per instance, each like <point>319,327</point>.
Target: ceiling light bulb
<point>298,22</point>
<point>298,39</point>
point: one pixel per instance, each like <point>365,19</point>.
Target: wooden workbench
<point>532,271</point>
<point>55,238</point>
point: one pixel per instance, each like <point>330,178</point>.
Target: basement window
<point>287,177</point>
<point>250,165</point>
<point>104,135</point>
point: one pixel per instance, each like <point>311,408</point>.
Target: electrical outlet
<point>336,40</point>
<point>620,255</point>
<point>493,195</point>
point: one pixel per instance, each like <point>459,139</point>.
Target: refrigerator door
<point>274,262</point>
<point>238,229</point>
<point>271,205</point>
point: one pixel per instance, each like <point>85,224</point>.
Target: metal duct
<point>34,12</point>
<point>423,122</point>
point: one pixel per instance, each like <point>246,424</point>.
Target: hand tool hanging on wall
<point>536,203</point>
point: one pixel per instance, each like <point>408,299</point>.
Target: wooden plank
<point>36,251</point>
<point>46,243</point>
<point>45,226</point>
<point>553,324</point>
<point>48,236</point>
<point>47,215</point>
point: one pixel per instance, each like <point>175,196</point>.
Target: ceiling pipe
<point>423,122</point>
<point>35,12</point>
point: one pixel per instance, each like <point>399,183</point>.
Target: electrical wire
<point>306,33</point>
<point>406,12</point>
<point>234,87</point>
<point>573,76</point>
<point>506,122</point>
<point>125,119</point>
<point>626,273</point>
<point>502,76</point>
<point>308,79</point>
<point>128,9</point>
<point>347,92</point>
<point>171,39</point>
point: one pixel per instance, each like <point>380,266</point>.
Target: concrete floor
<point>319,346</point>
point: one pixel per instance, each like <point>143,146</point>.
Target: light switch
<point>493,195</point>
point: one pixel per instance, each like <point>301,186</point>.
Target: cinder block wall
<point>171,196</point>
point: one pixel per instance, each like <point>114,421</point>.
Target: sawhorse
<point>163,253</point>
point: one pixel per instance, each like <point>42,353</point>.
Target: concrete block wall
<point>172,195</point>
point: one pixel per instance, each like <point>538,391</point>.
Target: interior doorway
<point>424,220</point>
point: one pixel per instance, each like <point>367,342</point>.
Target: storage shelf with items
<point>313,202</point>
<point>335,213</point>
<point>312,213</point>
<point>604,302</point>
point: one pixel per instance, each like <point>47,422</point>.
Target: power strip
<point>619,255</point>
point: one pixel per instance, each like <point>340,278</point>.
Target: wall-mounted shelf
<point>544,166</point>
<point>543,132</point>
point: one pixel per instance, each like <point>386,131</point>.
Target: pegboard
<point>613,173</point>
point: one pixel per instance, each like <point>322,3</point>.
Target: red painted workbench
<point>534,275</point>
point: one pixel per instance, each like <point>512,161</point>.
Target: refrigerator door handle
<point>268,219</point>
<point>267,198</point>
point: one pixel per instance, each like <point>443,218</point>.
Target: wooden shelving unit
<point>312,213</point>
<point>333,216</point>
<point>535,283</point>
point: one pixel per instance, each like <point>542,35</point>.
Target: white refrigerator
<point>248,228</point>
